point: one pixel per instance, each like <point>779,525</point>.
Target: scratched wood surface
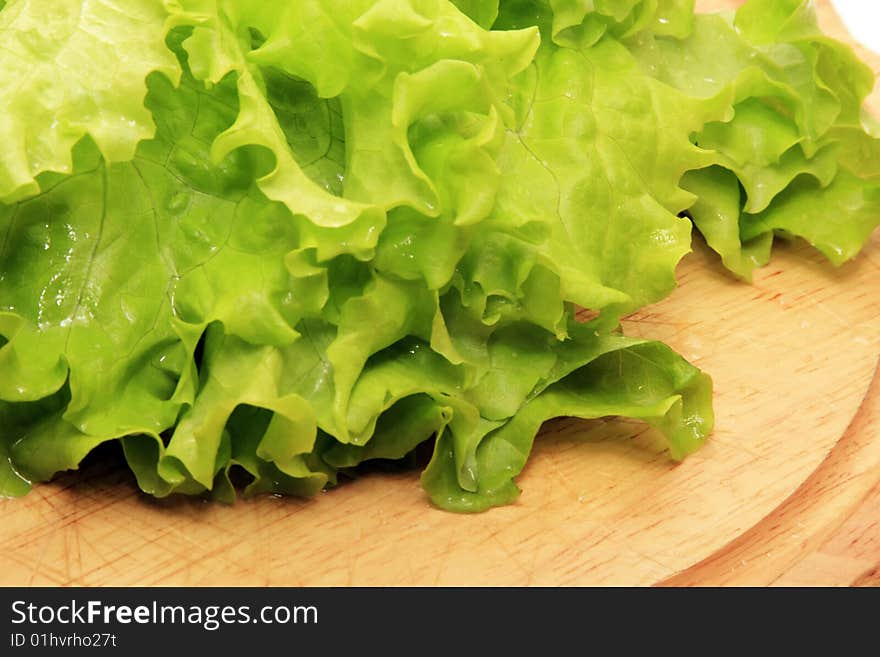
<point>787,491</point>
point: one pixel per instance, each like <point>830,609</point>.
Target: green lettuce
<point>285,239</point>
<point>797,140</point>
<point>66,73</point>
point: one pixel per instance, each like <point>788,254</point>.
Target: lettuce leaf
<point>64,74</point>
<point>797,123</point>
<point>644,380</point>
<point>288,238</point>
<point>606,182</point>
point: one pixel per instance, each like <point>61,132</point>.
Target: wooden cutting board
<point>782,493</point>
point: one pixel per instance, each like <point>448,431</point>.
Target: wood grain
<point>827,533</point>
<point>786,491</point>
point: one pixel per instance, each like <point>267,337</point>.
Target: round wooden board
<point>777,495</point>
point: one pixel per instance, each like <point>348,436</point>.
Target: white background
<point>862,19</point>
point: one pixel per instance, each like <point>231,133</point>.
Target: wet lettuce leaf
<point>798,138</point>
<point>288,238</point>
<point>70,69</point>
